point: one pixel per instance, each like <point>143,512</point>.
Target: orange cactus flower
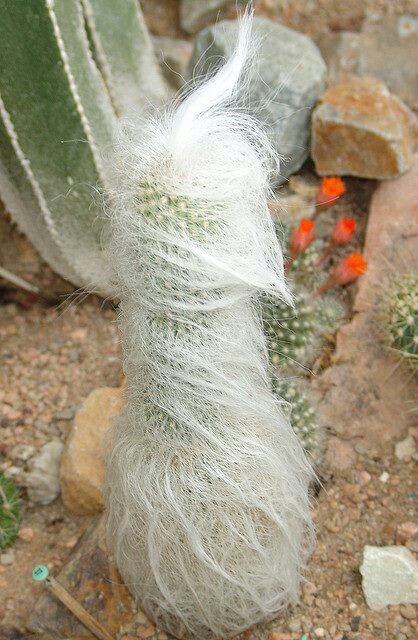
<point>343,231</point>
<point>302,236</point>
<point>330,190</point>
<point>346,271</point>
<point>349,269</point>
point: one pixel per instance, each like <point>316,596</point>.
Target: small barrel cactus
<point>295,334</point>
<point>289,330</point>
<point>401,318</point>
<point>305,269</point>
<point>301,414</point>
<point>10,512</point>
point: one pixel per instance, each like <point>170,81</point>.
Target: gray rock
<point>43,482</point>
<point>386,50</point>
<point>173,56</point>
<point>390,576</point>
<point>195,14</point>
<point>289,76</point>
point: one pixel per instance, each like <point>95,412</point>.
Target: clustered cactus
<point>10,512</point>
<point>297,334</point>
<point>301,414</point>
<point>401,318</point>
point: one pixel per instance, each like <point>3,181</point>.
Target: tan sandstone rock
<point>82,465</point>
<point>360,129</point>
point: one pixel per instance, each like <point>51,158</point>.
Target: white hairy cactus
<point>207,485</point>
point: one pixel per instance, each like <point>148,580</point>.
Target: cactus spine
<point>57,108</point>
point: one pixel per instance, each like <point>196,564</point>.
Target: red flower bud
<point>330,190</point>
<point>343,231</point>
<point>302,236</point>
<point>349,269</point>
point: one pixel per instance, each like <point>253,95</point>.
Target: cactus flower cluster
<point>296,335</point>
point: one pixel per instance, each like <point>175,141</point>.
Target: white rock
<point>390,576</point>
<point>43,482</point>
<point>7,558</point>
<point>405,448</point>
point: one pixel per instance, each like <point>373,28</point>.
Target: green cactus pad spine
<point>10,512</point>
<point>401,318</point>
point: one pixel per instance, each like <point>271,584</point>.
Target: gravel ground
<point>51,359</point>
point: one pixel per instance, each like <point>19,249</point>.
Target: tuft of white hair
<point>206,483</point>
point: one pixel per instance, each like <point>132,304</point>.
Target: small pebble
<point>70,544</point>
<point>146,632</point>
<point>406,531</point>
<point>7,559</point>
<point>408,611</point>
<point>26,534</point>
<point>365,477</point>
<point>319,632</point>
<point>412,545</point>
<point>294,625</point>
<point>384,477</point>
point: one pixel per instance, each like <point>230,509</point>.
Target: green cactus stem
<point>295,335</point>
<point>401,318</point>
<point>10,512</point>
<point>301,414</point>
<point>59,104</point>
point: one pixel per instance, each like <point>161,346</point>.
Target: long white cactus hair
<point>207,485</point>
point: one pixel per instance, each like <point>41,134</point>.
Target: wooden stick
<point>75,607</point>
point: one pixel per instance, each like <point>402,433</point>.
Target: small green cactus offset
<point>296,334</point>
<point>301,413</point>
<point>401,318</point>
<point>288,330</point>
<point>10,512</point>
